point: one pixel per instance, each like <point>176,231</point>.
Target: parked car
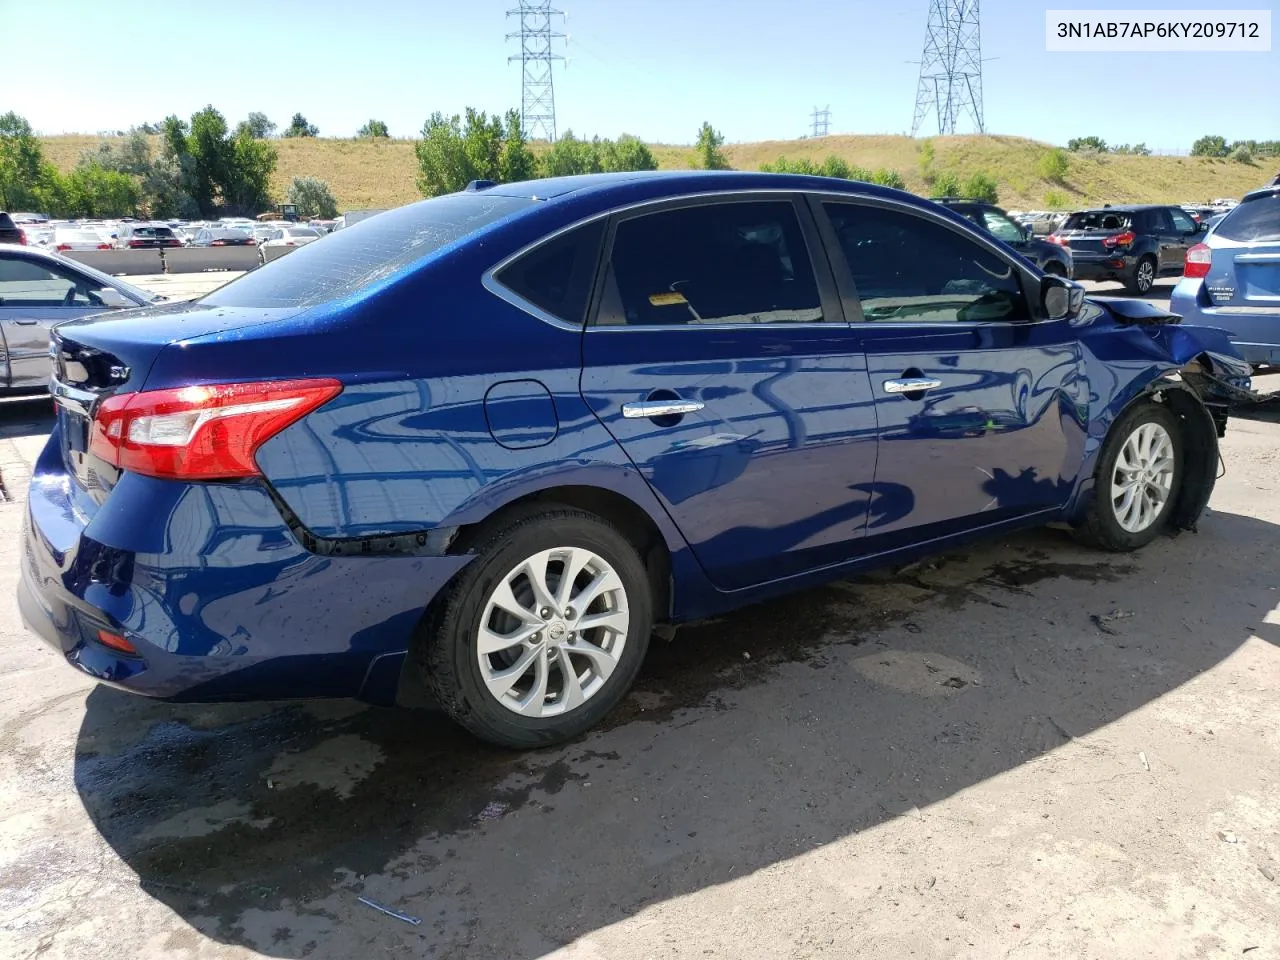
<point>145,236</point>
<point>68,239</point>
<point>290,236</point>
<point>1131,244</point>
<point>492,437</point>
<point>37,290</point>
<point>10,232</point>
<point>1052,258</point>
<point>222,237</point>
<point>1232,279</point>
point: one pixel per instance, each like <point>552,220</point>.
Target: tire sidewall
<point>1137,275</point>
<point>482,714</point>
<point>1144,412</point>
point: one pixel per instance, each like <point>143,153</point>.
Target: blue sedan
<point>1232,279</point>
<point>493,438</point>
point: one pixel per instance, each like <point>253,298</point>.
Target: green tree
<point>707,147</point>
<point>1078,144</point>
<point>313,197</point>
<point>982,186</point>
<point>206,169</point>
<point>373,128</point>
<point>626,154</point>
<point>211,155</point>
<point>570,157</point>
<point>1053,165</point>
<point>1209,146</point>
<point>21,161</point>
<point>1241,154</point>
<point>946,184</point>
<point>517,161</point>
<point>299,127</point>
<point>258,126</point>
<point>246,191</point>
<point>451,154</point>
<point>93,191</point>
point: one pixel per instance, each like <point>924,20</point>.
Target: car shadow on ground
<point>749,740</point>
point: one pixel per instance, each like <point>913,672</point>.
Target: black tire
<point>1144,276</point>
<point>447,641</point>
<point>1100,526</point>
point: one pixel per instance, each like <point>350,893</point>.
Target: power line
<point>821,121</point>
<point>951,68</point>
<point>537,53</point>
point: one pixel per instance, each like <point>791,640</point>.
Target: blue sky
<point>656,68</point>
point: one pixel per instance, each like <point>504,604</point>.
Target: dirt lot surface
<point>1022,749</point>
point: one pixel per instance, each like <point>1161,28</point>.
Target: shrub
<point>1241,154</point>
<point>1055,199</point>
<point>1053,165</point>
<point>313,197</point>
<point>888,178</point>
<point>982,186</point>
<point>373,128</point>
<point>710,156</point>
<point>946,184</point>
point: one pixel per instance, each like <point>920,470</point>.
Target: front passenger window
<point>909,269</point>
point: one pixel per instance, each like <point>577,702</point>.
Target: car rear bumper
<point>1110,268</point>
<point>212,589</point>
<point>1255,332</point>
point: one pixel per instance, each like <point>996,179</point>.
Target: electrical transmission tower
<point>821,121</point>
<point>951,68</point>
<point>537,53</point>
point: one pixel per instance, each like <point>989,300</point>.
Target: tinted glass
<point>24,283</point>
<point>1181,222</point>
<point>366,252</point>
<point>557,276</point>
<point>1002,228</point>
<point>1257,219</point>
<point>741,263</point>
<point>1098,220</point>
<point>910,269</point>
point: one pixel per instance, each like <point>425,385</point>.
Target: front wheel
<point>1144,277</point>
<point>1137,481</point>
<point>543,633</point>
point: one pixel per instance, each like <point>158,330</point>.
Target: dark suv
<point>10,232</point>
<point>1049,257</point>
<point>1132,244</point>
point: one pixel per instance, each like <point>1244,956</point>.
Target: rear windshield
<point>365,252</point>
<point>151,232</point>
<point>1098,220</point>
<point>1256,219</point>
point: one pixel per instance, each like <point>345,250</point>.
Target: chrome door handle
<point>911,385</point>
<point>660,408</point>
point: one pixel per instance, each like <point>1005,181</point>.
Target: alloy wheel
<point>1142,481</point>
<point>552,632</point>
<point>1146,276</point>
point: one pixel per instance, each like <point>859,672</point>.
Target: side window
<point>1182,223</point>
<point>718,263</point>
<point>25,283</point>
<point>1154,221</point>
<point>1002,228</point>
<point>557,276</point>
<point>910,269</point>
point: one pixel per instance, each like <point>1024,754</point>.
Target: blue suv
<point>491,439</point>
<point>1232,279</point>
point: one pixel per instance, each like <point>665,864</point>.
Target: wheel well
<point>635,524</point>
<point>1199,450</point>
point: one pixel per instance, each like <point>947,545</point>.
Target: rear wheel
<point>1144,277</point>
<point>543,633</point>
<point>1137,480</point>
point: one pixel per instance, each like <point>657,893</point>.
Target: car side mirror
<point>1029,231</point>
<point>1059,298</point>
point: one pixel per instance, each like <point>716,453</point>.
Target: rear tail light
<point>1060,241</point>
<point>104,246</point>
<point>1120,239</point>
<point>116,642</point>
<point>137,243</point>
<point>217,243</point>
<point>63,247</point>
<point>22,237</point>
<point>1199,260</point>
<point>201,433</point>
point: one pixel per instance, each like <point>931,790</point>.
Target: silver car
<point>39,289</point>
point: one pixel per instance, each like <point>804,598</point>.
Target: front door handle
<point>25,323</point>
<point>647,409</point>
<point>911,385</point>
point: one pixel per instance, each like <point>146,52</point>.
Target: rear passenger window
<point>719,263</point>
<point>557,276</point>
<point>911,269</point>
<point>1255,220</point>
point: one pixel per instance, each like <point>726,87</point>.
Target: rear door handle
<point>25,323</point>
<point>647,409</point>
<point>911,385</point>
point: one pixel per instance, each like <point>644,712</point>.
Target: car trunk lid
<point>1085,233</point>
<point>1245,270</point>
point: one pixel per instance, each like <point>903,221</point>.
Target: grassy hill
<point>372,173</point>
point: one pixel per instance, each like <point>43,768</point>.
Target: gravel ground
<point>1024,748</point>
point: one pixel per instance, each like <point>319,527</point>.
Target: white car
<point>291,236</point>
<point>69,239</point>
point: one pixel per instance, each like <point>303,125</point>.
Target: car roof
<point>1261,192</point>
<point>1127,208</point>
